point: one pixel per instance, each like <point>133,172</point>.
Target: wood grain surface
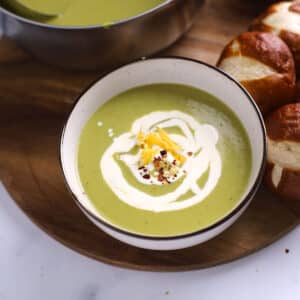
<point>34,102</point>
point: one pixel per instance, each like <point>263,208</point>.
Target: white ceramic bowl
<point>164,70</point>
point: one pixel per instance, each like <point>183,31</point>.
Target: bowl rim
<point>163,5</point>
<point>244,201</point>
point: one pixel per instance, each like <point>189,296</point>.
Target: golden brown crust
<point>290,38</point>
<point>289,185</point>
<point>275,90</point>
<point>284,124</point>
<point>258,25</point>
<point>268,49</point>
<point>293,42</point>
<point>266,96</point>
<point>264,47</point>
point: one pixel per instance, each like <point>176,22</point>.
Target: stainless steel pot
<point>96,47</point>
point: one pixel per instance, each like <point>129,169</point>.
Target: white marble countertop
<point>35,267</point>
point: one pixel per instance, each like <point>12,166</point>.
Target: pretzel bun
<point>283,166</point>
<point>264,65</point>
<point>282,19</point>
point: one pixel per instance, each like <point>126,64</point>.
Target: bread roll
<point>264,65</point>
<point>282,19</point>
<point>283,137</point>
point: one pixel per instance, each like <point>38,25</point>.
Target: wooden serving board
<point>34,102</point>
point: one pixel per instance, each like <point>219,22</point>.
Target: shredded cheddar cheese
<point>171,144</point>
<point>161,139</point>
<point>147,155</point>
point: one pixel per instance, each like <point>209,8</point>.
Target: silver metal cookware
<point>97,47</point>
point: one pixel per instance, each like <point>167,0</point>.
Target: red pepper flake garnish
<point>190,153</point>
<point>160,177</point>
<point>165,171</point>
<point>163,152</point>
<point>156,163</point>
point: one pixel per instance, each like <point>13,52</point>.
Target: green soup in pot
<point>90,12</point>
<point>206,165</point>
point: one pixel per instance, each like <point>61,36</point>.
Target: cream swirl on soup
<point>163,158</point>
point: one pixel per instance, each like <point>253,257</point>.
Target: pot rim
<point>165,4</point>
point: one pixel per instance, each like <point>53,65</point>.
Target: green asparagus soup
<point>90,12</point>
<point>164,160</point>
